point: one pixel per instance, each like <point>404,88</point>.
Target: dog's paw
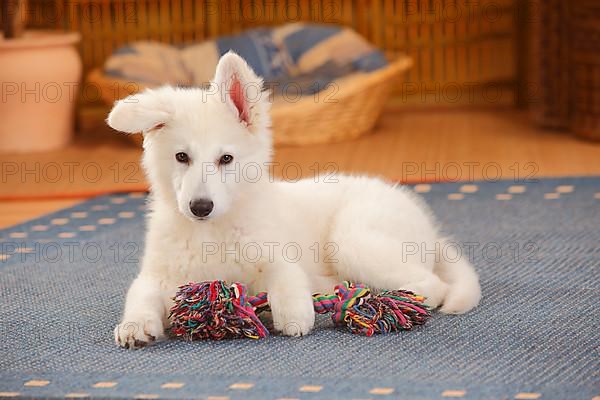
<point>434,291</point>
<point>292,316</point>
<point>459,301</point>
<point>135,333</point>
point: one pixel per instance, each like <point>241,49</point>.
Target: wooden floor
<point>410,145</point>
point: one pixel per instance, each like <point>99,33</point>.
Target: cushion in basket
<point>309,55</point>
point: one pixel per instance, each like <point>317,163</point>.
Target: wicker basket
<point>350,109</point>
<point>585,57</point>
<point>566,65</point>
<point>550,63</point>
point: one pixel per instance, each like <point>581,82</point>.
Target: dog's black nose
<point>201,207</point>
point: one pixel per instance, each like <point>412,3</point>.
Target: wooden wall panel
<point>456,44</point>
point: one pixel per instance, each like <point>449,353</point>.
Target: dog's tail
<point>455,269</point>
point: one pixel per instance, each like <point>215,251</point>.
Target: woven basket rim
<point>351,86</point>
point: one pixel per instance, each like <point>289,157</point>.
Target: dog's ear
<point>143,112</point>
<point>242,91</point>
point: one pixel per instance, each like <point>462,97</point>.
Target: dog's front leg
<point>144,315</point>
<point>290,298</point>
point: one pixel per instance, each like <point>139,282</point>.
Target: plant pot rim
<point>40,38</point>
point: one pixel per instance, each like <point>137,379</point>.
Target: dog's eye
<point>182,158</point>
<point>225,159</point>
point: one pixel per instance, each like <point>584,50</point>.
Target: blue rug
<point>63,279</point>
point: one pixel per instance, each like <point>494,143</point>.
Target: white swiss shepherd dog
<point>216,213</point>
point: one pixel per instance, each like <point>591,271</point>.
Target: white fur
<point>358,228</point>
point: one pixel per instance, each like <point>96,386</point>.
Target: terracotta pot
<point>39,75</point>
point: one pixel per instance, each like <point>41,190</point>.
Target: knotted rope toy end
<point>366,314</point>
<point>214,310</point>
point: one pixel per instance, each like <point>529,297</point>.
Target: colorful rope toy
<point>215,310</point>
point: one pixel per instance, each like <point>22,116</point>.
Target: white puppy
<point>216,213</point>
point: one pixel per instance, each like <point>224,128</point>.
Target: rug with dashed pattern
<point>63,278</point>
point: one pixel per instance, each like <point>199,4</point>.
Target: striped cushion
<point>303,53</point>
